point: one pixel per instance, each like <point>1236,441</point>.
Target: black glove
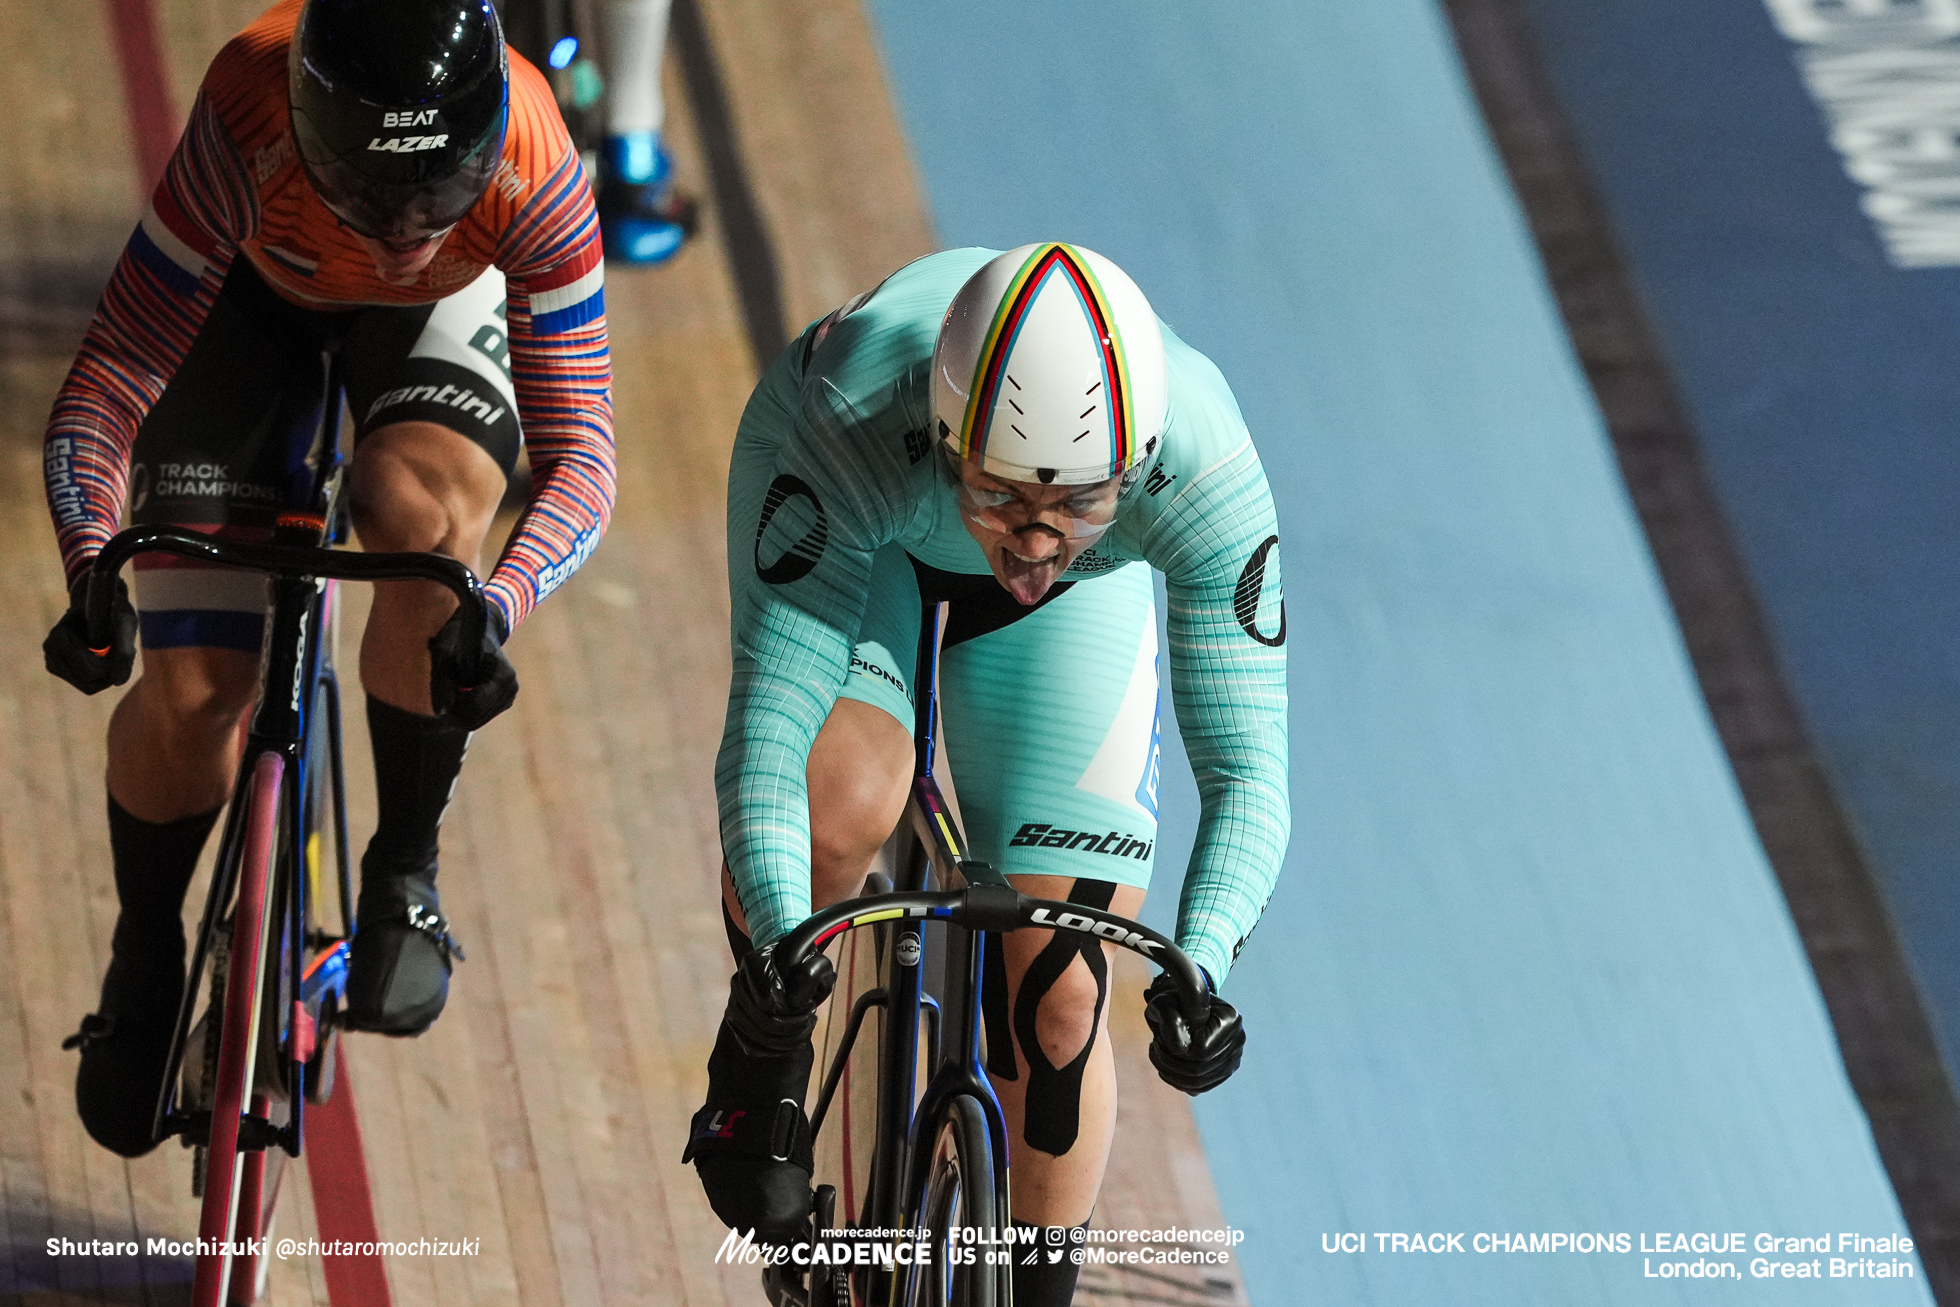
<point>468,704</point>
<point>1182,1061</point>
<point>67,647</point>
<point>772,1014</point>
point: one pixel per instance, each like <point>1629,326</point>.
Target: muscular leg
<point>415,486</point>
<point>1052,1189</point>
<point>173,749</point>
<point>636,37</point>
<point>644,220</point>
<point>859,774</point>
<point>859,770</point>
<point>173,740</point>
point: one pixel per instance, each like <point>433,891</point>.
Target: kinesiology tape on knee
<point>1054,1095</point>
<point>997,1022</point>
<point>1039,1279</point>
<point>416,762</point>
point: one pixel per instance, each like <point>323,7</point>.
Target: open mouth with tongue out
<point>1030,534</point>
<point>1027,579</point>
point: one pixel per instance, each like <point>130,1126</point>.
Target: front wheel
<point>961,1191</point>
<point>238,1035</point>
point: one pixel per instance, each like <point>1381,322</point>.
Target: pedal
<point>193,1129</point>
<point>256,1134</point>
<point>321,1067</point>
<point>325,975</point>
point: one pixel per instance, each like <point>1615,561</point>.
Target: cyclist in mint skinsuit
<point>1019,434</point>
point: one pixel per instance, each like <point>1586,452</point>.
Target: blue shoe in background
<point>642,218</point>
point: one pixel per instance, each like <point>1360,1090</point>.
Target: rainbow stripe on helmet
<point>1047,261</point>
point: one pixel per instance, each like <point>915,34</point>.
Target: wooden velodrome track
<point>544,1116</point>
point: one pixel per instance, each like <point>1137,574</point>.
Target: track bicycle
<point>939,1154</point>
<point>238,1081</point>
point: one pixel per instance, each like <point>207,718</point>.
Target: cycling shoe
<point>643,219</point>
<point>751,1143</point>
<point>399,963</point>
<point>125,1042</point>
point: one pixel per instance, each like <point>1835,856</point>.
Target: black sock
<point>1046,1283</point>
<point>153,863</point>
<point>416,762</point>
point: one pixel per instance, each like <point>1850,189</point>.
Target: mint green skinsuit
<point>1051,723</point>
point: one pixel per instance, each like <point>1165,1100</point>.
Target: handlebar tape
<point>100,597</point>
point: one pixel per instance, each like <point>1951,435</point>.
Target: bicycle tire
<point>960,1188</point>
<point>297,859</point>
<point>239,1033</point>
<point>324,818</point>
<point>258,1201</point>
<point>294,864</point>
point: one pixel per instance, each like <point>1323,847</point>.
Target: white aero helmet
<point>1050,368</point>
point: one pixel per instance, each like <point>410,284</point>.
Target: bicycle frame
<point>986,903</point>
<point>292,668</point>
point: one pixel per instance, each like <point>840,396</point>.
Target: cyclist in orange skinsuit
<point>406,196</point>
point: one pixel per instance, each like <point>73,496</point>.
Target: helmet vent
<point>1024,331</point>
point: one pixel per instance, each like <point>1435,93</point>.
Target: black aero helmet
<point>399,109</point>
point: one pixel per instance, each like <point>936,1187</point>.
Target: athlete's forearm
<point>573,480</point>
<point>1242,835</point>
<point>762,788</point>
<point>85,454</point>
<point>162,289</point>
<point>561,369</point>
<point>1228,675</point>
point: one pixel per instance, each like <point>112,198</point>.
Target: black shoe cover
<point>751,1143</point>
<point>398,968</point>
<point>125,1043</point>
<point>754,1193</point>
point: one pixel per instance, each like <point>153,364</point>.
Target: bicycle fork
<point>292,656</point>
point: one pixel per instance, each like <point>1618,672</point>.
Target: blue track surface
<point>1528,970</point>
<point>1823,382</point>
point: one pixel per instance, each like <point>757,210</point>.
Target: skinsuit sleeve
<point>1216,539</point>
